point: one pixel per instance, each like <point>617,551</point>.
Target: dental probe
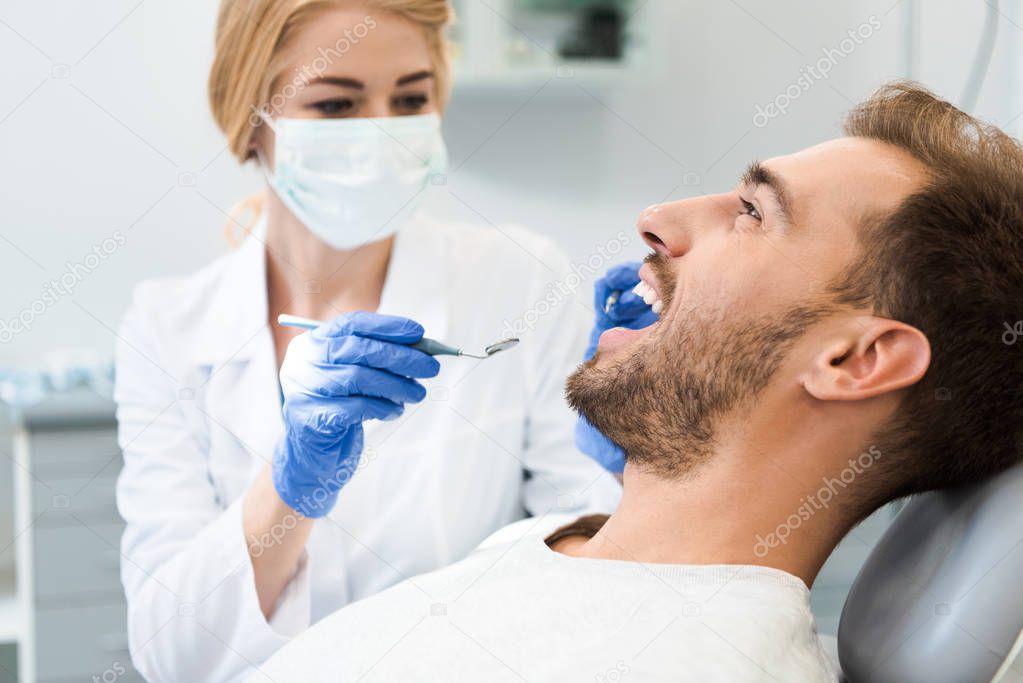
<point>428,346</point>
<point>611,300</point>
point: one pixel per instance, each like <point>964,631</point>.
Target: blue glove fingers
<point>313,492</point>
<point>619,278</point>
<point>361,408</point>
<point>319,422</point>
<point>393,357</point>
<point>629,299</point>
<point>390,328</point>
<point>623,276</point>
<point>629,307</point>
<point>356,380</point>
<point>645,320</point>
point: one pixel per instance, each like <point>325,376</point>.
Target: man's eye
<point>749,210</point>
<point>334,107</point>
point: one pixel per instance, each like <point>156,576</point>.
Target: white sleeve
<point>560,477</point>
<point>193,612</point>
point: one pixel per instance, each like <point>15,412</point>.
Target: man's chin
<point>591,389</point>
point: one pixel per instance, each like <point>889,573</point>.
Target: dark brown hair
<point>948,261</point>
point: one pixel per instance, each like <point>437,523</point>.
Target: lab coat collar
<point>418,283</point>
<point>235,325</point>
<point>237,311</point>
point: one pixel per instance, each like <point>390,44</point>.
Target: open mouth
<point>649,290</point>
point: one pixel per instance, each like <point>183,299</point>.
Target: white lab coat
<point>199,414</point>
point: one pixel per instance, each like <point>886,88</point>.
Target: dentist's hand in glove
<point>629,311</point>
<point>355,368</point>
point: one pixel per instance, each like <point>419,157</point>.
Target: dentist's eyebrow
<point>757,175</point>
<point>336,80</point>
<point>412,78</point>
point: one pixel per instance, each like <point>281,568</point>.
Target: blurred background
<point>568,117</point>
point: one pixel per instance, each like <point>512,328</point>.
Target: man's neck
<point>728,511</point>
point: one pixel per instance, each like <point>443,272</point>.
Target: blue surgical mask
<point>353,181</point>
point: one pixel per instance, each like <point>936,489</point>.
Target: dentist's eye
<point>338,107</point>
<point>749,210</point>
<point>411,103</point>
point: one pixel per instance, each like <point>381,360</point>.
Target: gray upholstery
<point>941,597</point>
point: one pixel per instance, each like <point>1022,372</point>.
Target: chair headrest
<point>939,598</point>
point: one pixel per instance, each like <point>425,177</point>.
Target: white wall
<point>104,149</point>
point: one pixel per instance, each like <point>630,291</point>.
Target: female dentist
<point>249,518</point>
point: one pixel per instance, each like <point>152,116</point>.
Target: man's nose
<point>663,228</point>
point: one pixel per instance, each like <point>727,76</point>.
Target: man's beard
<point>661,404</point>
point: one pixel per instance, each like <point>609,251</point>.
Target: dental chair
<point>940,599</point>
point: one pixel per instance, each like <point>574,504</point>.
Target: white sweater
<point>515,610</point>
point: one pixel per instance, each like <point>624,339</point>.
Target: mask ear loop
<point>265,119</point>
<point>268,171</point>
<point>255,203</point>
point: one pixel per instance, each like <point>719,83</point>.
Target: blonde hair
<point>250,56</point>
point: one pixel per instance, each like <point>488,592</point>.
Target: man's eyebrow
<point>757,174</point>
<point>412,78</point>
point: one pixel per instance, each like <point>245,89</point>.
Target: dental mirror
<point>426,345</point>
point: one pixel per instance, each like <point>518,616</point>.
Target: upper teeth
<point>649,296</point>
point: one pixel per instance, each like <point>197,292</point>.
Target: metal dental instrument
<point>428,346</point>
<point>611,300</point>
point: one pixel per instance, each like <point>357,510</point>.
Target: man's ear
<point>876,356</point>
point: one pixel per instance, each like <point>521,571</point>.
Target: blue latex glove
<point>357,367</point>
<point>629,311</point>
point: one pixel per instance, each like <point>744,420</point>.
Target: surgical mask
<point>353,181</point>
